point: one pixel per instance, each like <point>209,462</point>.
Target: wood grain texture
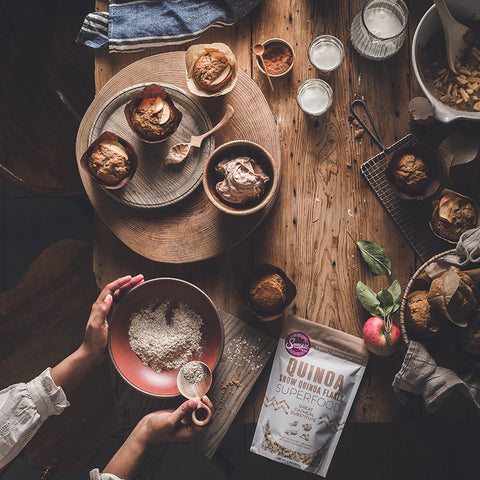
<point>194,229</point>
<point>245,354</point>
<point>47,85</point>
<point>42,321</point>
<point>322,194</point>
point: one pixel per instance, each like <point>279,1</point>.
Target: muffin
<point>152,115</point>
<point>110,160</point>
<point>268,293</point>
<point>420,320</point>
<point>211,69</point>
<point>456,304</point>
<point>410,174</point>
<point>453,214</point>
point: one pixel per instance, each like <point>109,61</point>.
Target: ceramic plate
<point>154,183</point>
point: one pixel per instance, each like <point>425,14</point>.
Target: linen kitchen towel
<point>135,25</point>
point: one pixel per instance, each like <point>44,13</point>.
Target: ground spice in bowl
<point>278,57</point>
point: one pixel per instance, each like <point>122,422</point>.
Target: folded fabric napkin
<point>134,25</point>
<point>420,374</point>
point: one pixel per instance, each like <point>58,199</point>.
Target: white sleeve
<point>23,409</point>
<point>96,475</point>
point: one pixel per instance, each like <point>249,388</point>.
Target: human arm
<point>25,406</point>
<point>153,429</point>
<point>71,371</point>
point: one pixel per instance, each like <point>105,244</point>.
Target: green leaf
<point>386,301</point>
<point>368,299</point>
<point>396,290</point>
<point>375,257</point>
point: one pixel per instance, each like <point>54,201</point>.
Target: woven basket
<point>403,329</point>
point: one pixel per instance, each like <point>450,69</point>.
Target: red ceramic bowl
<point>129,366</point>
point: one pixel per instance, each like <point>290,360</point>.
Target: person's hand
<point>96,333</point>
<point>171,425</point>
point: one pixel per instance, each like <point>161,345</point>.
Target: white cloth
<point>23,409</point>
<point>96,475</point>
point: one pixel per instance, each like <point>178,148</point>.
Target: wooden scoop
<point>454,34</point>
<point>196,391</point>
<point>179,152</point>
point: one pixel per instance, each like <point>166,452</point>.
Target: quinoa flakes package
<point>314,379</point>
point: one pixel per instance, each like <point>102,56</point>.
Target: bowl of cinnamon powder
<point>279,57</point>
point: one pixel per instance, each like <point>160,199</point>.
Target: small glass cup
<point>379,30</point>
<point>326,53</point>
<point>314,97</point>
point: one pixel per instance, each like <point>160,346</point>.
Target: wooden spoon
<point>196,390</point>
<point>454,34</point>
<point>179,152</point>
<point>259,50</point>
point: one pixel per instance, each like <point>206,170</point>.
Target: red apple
<point>374,336</point>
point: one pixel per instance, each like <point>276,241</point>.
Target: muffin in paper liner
<point>109,137</point>
<point>261,273</point>
<point>145,131</point>
<point>211,69</point>
<point>453,214</point>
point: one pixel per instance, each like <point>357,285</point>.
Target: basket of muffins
<point>441,309</point>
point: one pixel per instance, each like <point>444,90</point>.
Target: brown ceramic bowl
<point>261,271</point>
<point>129,366</point>
<point>105,137</point>
<point>431,160</point>
<point>240,148</point>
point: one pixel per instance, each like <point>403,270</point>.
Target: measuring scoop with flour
<point>194,381</point>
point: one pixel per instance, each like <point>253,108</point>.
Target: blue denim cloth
<point>133,25</point>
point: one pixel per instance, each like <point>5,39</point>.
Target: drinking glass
<point>379,30</point>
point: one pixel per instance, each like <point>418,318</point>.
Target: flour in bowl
<point>163,344</point>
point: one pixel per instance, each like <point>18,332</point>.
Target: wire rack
<point>411,217</point>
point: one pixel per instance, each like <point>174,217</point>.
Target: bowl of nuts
<point>453,95</point>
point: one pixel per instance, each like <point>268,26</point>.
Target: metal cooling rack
<point>410,216</point>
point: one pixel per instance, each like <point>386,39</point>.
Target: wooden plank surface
<point>245,354</point>
<point>322,195</point>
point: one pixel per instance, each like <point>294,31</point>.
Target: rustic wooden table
<point>322,194</point>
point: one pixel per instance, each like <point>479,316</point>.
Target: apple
<point>375,337</point>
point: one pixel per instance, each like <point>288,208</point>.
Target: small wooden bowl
<point>265,270</point>
<point>411,287</point>
<point>240,148</point>
<point>275,40</point>
<point>132,155</point>
<point>141,377</point>
<point>431,160</point>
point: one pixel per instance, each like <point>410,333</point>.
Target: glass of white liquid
<point>379,30</point>
<point>314,97</point>
<point>326,53</point>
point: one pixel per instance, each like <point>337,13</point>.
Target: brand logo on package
<point>297,344</point>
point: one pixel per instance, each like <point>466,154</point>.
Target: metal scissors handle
<point>375,136</point>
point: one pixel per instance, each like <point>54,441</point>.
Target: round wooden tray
<point>154,183</point>
<point>193,229</point>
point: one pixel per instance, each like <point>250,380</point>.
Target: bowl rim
<point>281,40</point>
<point>224,207</point>
<point>441,112</point>
<point>142,285</point>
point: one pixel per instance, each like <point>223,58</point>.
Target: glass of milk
<point>326,53</point>
<point>379,30</point>
<point>314,97</point>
